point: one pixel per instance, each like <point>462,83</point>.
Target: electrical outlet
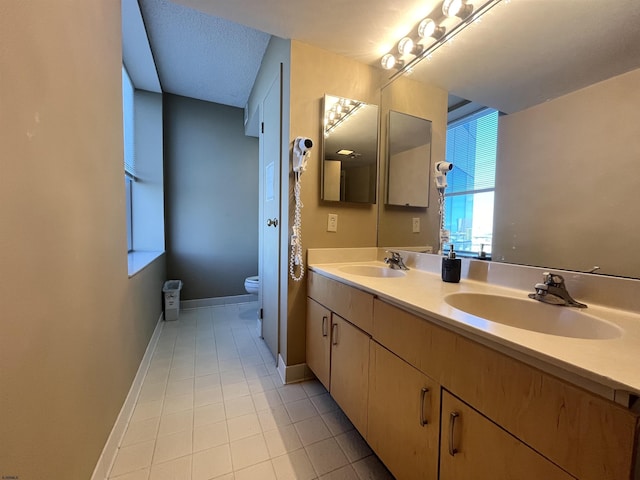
<point>416,224</point>
<point>332,223</point>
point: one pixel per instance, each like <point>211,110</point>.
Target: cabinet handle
<point>452,424</point>
<point>334,333</point>
<point>324,326</point>
<point>423,394</point>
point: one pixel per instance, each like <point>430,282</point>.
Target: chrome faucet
<point>395,261</point>
<point>554,291</point>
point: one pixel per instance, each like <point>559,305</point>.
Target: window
<point>129,156</point>
<point>468,208</point>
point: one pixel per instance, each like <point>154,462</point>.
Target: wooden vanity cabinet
<point>404,416</point>
<point>586,435</point>
<point>475,447</point>
<point>339,319</point>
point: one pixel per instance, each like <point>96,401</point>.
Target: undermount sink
<point>534,316</point>
<point>372,271</point>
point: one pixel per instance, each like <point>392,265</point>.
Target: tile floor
<point>212,406</point>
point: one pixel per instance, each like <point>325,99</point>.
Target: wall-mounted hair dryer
<point>441,169</point>
<point>301,147</point>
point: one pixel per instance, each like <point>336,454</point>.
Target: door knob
<point>272,222</point>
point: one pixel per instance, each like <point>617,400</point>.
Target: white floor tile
<point>326,456</point>
<point>213,406</point>
<point>211,463</point>
<point>249,451</point>
<point>173,446</point>
<point>209,436</point>
<point>294,466</point>
<point>207,414</point>
<point>370,468</point>
<point>261,471</point>
<point>353,445</point>
<point>337,422</point>
<point>345,473</point>
<point>142,431</point>
<point>176,422</point>
<point>282,440</point>
<point>244,426</point>
<point>291,393</point>
<point>273,418</point>
<point>312,430</point>
<point>206,396</point>
<point>301,409</point>
<point>132,458</point>
<point>266,400</point>
<point>178,469</point>
<point>147,410</point>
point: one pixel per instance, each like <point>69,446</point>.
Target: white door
<point>270,164</point>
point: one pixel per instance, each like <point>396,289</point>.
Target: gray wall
<point>73,326</point>
<point>211,203</point>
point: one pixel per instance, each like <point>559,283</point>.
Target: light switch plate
<point>416,224</point>
<point>332,222</point>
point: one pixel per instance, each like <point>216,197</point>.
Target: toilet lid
<point>252,279</point>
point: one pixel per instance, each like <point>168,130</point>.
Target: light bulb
<point>428,28</point>
<point>456,8</point>
<point>405,46</point>
<point>389,61</point>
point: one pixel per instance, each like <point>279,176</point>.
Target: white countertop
<point>608,367</point>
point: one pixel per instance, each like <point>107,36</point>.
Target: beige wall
<point>314,73</point>
<point>424,101</point>
<point>73,326</point>
<point>568,181</point>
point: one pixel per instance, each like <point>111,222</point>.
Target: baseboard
<point>212,302</point>
<point>105,462</point>
<point>293,373</point>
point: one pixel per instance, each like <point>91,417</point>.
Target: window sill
<point>139,260</point>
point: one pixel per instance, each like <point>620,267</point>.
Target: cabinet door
<point>318,341</point>
<point>350,371</point>
<point>404,416</point>
<point>474,447</point>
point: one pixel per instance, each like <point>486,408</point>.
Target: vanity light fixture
<point>338,113</point>
<point>428,28</point>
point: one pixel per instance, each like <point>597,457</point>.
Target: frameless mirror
<point>409,160</point>
<point>350,151</point>
<point>568,138</point>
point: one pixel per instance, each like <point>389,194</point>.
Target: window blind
<point>471,147</point>
<point>128,124</point>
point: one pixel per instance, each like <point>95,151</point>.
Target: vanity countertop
<point>609,367</point>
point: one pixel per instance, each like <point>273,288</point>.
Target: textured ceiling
<point>201,56</point>
<point>524,52</point>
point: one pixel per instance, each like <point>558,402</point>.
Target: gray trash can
<point>171,291</point>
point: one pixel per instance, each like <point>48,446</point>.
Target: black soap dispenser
<point>451,267</point>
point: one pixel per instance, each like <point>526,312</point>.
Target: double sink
<point>522,313</point>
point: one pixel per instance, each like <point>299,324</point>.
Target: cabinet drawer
<point>350,303</point>
<point>475,447</point>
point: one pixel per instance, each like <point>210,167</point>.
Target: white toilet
<point>252,284</point>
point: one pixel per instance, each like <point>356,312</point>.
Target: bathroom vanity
<point>440,394</point>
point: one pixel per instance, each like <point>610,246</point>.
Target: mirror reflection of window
<point>350,150</point>
<point>409,150</point>
<point>468,212</point>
